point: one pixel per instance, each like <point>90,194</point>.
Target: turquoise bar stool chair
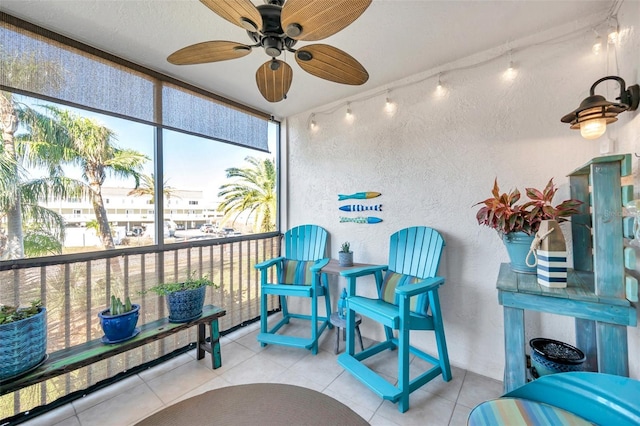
<point>297,275</point>
<point>407,301</point>
<point>573,398</point>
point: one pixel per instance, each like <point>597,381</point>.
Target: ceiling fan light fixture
<point>272,45</point>
<point>293,30</point>
<point>248,24</point>
<point>274,65</point>
<point>304,55</point>
<point>595,112</point>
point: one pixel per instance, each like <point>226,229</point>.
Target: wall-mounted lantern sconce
<point>595,112</point>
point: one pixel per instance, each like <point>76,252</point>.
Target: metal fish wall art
<point>361,219</point>
<point>359,196</point>
<point>360,208</point>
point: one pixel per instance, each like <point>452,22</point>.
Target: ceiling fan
<point>277,26</point>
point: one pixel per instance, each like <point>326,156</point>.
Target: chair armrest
<point>365,270</point>
<point>421,287</point>
<point>321,263</point>
<point>268,263</point>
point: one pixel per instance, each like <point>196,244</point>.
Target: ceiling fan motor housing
<point>271,36</point>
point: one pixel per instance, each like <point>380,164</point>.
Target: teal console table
<point>596,294</point>
<point>520,292</point>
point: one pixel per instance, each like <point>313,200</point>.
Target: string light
<point>440,90</point>
<point>509,74</point>
<point>349,114</point>
<point>389,105</point>
<point>612,32</point>
<point>597,44</point>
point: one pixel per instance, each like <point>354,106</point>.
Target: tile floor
<point>245,361</point>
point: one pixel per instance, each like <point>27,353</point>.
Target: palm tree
<point>148,187</point>
<point>252,192</point>
<point>90,146</point>
<point>37,74</point>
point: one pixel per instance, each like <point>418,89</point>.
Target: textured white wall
<point>435,157</point>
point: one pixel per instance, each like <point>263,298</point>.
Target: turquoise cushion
<point>419,304</point>
<point>297,272</point>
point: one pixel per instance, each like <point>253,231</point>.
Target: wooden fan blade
<point>312,20</point>
<point>209,51</point>
<point>274,84</point>
<point>332,64</point>
<point>240,12</point>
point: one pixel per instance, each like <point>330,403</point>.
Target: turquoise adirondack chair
<point>407,300</point>
<point>297,275</point>
<point>598,398</point>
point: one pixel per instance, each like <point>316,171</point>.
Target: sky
<point>191,163</point>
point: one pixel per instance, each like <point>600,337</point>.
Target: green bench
<point>72,358</point>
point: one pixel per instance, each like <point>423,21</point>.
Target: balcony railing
<point>75,288</point>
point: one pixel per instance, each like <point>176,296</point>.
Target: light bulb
<point>612,36</point>
<point>594,128</point>
<point>597,46</point>
<point>440,91</point>
<point>389,106</point>
<point>510,73</point>
<point>312,123</point>
<point>349,115</point>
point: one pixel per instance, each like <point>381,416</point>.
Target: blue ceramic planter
<point>518,244</point>
<point>23,345</point>
<point>118,328</point>
<point>552,356</point>
<point>185,305</point>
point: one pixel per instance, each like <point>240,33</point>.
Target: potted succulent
<point>23,335</point>
<point>345,255</point>
<point>185,299</point>
<point>517,223</point>
<point>119,321</point>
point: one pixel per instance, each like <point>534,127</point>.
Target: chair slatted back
<point>305,242</point>
<point>416,251</point>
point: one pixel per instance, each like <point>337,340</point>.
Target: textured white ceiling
<point>393,39</point>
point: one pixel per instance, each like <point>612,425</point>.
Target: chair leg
<point>443,354</point>
<point>388,332</point>
<point>263,315</point>
<point>327,300</point>
<point>314,323</point>
<point>284,308</point>
<point>403,357</point>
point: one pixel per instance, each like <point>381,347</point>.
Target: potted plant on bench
<point>518,223</point>
<point>185,299</point>
<point>119,321</point>
<point>23,336</point>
